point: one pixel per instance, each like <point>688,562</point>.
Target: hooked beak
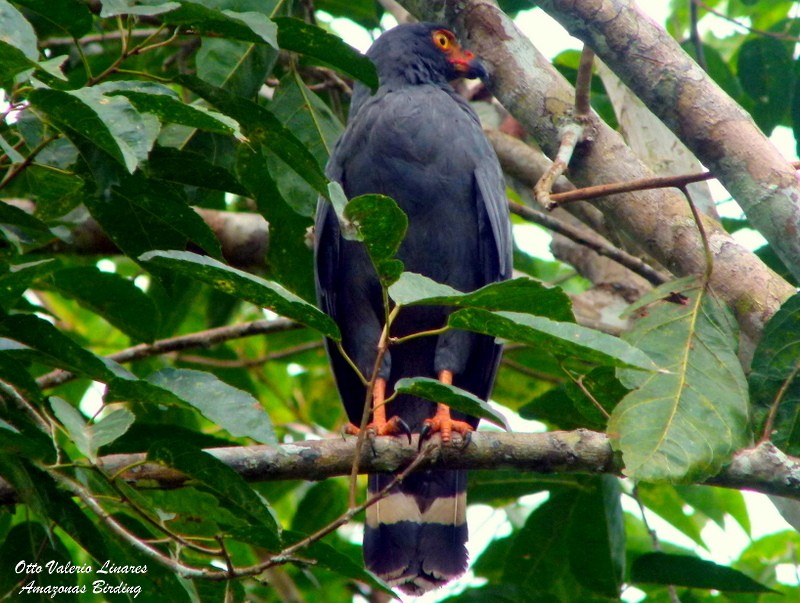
<point>467,65</point>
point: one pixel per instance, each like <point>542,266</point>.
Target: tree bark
<point>717,130</point>
<point>762,469</point>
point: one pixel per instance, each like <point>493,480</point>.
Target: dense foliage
<point>133,132</point>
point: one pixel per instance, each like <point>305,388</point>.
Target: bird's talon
<point>424,433</point>
<point>403,428</point>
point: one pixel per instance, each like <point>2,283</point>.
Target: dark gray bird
<point>419,142</point>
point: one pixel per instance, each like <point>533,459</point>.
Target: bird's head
<point>422,53</point>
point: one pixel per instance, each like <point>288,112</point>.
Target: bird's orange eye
<point>442,40</point>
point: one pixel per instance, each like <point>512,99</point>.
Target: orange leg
<point>442,422</point>
<point>379,424</point>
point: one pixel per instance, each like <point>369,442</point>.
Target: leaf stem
<point>773,411</point>
<point>698,219</point>
<point>17,169</point>
<point>383,344</point>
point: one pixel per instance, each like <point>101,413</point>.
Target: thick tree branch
<point>761,469</point>
<point>717,130</point>
<point>659,220</point>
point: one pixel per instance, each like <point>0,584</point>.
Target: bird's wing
<point>493,212</point>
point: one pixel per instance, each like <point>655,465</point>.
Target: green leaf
<point>684,422</point>
<point>562,339</point>
<point>23,231</point>
<point>597,538</point>
<point>503,593</point>
<point>245,286</point>
<point>17,32</point>
<point>57,348</point>
<point>498,487</point>
<point>238,67</point>
<point>765,68</point>
<point>89,438</point>
<point>315,125</point>
<point>219,479</point>
<point>37,489</point>
<point>75,425</point>
<point>381,225</point>
<point>304,113</point>
<point>145,8</point>
<point>775,376</point>
<point>363,12</point>
<point>454,397</point>
<point>262,128</point>
<point>71,16</point>
<point>113,297</point>
<point>192,169</point>
<point>556,409</point>
<point>539,549</point>
<point>518,295</point>
<point>111,123</point>
<point>315,42</point>
<point>310,515</point>
<point>683,570</point>
<point>328,557</point>
<point>234,410</point>
<point>140,215</point>
<point>248,26</point>
<point>16,374</point>
<point>289,259</point>
<point>111,426</point>
<point>663,500</point>
<point>604,387</point>
<point>12,154</point>
<point>716,504</point>
<point>18,277</point>
<point>164,103</point>
<point>14,61</point>
<point>29,541</point>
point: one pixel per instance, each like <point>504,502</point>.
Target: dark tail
<point>414,537</point>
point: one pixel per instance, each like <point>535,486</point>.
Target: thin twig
<point>595,244</point>
<point>350,513</point>
<point>383,344</point>
<point>103,37</point>
<point>762,32</point>
<point>135,542</point>
<point>285,556</point>
<point>578,381</point>
<point>694,36</point>
<point>698,220</point>
<point>202,339</point>
<point>613,188</point>
<point>249,363</point>
<point>773,411</point>
<point>571,135</point>
<point>526,370</point>
<point>18,168</point>
<point>673,594</point>
<point>583,83</point>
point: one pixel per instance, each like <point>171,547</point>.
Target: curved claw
<point>402,427</point>
<point>443,423</point>
<point>466,438</point>
<point>424,433</point>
